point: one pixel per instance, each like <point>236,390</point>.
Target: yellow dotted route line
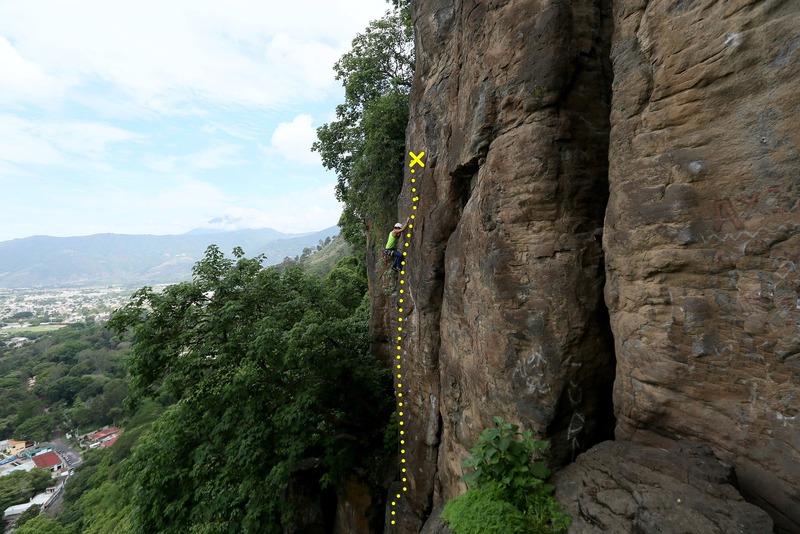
<point>398,358</point>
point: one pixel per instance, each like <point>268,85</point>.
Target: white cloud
<point>160,164</point>
<point>21,142</point>
<point>35,142</point>
<point>181,202</point>
<point>163,54</point>
<point>85,138</point>
<point>82,207</point>
<point>293,140</point>
<point>240,131</point>
<point>309,63</point>
<point>197,87</point>
<point>215,157</point>
<point>21,79</point>
<point>295,212</point>
<point>117,207</point>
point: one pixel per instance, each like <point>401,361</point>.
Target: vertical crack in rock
<point>464,180</point>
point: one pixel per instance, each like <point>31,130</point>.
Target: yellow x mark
<point>416,159</point>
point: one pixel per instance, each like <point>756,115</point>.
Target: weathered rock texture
<point>702,235</point>
<point>625,487</point>
<point>357,509</point>
<point>504,303</point>
<point>435,524</point>
<point>503,308</point>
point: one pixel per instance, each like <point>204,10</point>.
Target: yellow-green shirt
<point>390,244</point>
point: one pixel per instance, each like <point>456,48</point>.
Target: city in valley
<point>27,312</point>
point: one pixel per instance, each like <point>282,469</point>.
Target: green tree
<point>68,351</point>
<point>365,144</point>
<point>6,425</point>
<point>64,389</point>
<point>19,486</point>
<point>27,407</point>
<point>484,510</point>
<point>89,389</point>
<point>9,382</point>
<point>27,515</point>
<point>80,416</point>
<point>268,369</point>
<point>97,498</point>
<point>41,525</point>
<point>38,428</point>
<point>83,368</point>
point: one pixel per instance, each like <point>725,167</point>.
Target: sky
<point>159,117</point>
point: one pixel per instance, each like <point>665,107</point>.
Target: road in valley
<point>71,456</point>
<point>73,459</point>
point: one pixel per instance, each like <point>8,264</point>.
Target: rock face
<point>356,511</point>
<point>669,182</point>
<point>312,507</point>
<point>702,235</point>
<point>435,524</point>
<point>626,487</point>
<point>505,277</point>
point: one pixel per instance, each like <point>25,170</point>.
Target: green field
<point>22,332</point>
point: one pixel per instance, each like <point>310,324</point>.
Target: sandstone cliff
<point>506,276</point>
<point>609,202</point>
<point>703,235</point>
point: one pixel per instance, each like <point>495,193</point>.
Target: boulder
<point>627,487</point>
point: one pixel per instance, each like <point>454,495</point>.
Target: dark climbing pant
<point>397,259</point>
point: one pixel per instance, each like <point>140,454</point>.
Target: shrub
<point>507,474</point>
<point>484,510</point>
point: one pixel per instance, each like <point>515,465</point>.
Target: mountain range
<point>116,259</point>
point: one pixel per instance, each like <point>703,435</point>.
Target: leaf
<point>538,470</point>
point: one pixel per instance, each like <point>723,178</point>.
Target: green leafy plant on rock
<point>508,492</point>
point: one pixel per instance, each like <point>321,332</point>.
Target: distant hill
<point>322,262</point>
<point>114,259</point>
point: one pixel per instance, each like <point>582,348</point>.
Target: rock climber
<point>391,244</point>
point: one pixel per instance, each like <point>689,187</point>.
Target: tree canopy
<point>18,487</point>
<point>41,525</point>
<point>78,383</point>
<point>268,369</point>
<point>365,145</point>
